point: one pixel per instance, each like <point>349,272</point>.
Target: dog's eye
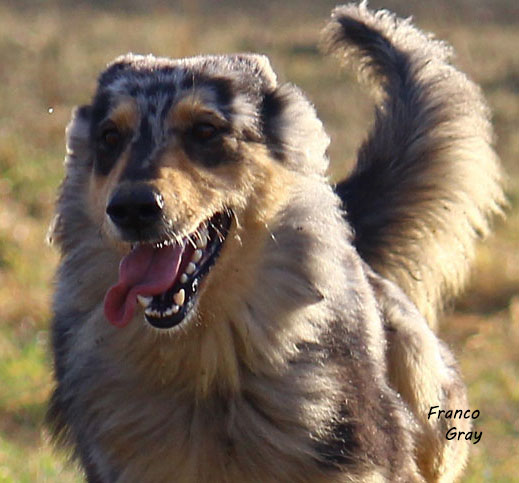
<point>109,144</point>
<point>110,138</point>
<point>204,131</point>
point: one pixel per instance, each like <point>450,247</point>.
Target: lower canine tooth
<point>179,297</point>
<point>144,301</point>
<point>191,267</point>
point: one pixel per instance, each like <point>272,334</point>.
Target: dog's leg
<point>425,374</point>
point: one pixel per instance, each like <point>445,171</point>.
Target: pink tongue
<point>144,271</point>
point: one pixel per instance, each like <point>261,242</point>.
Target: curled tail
<point>427,180</point>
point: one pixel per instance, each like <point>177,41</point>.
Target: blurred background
<point>51,53</point>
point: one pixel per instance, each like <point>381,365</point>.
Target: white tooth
<point>183,278</point>
<point>201,241</point>
<point>144,301</point>
<point>197,255</point>
<point>191,267</point>
<point>169,312</point>
<point>175,309</point>
<point>179,297</point>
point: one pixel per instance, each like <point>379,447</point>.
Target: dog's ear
<point>259,64</point>
<point>291,127</point>
<point>78,136</point>
<point>294,133</point>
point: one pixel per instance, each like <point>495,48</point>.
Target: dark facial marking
<point>139,153</point>
<point>208,144</point>
<point>159,88</point>
<point>109,144</point>
<point>165,109</point>
<point>112,73</point>
<point>221,86</point>
<point>100,108</point>
<point>224,92</point>
<point>271,108</point>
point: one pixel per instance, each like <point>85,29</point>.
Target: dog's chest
<point>150,436</point>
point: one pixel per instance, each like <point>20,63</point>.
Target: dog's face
<point>181,153</point>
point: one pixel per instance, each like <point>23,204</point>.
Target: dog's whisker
<point>191,241</point>
<point>272,236</point>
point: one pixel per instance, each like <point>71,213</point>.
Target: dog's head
<point>176,155</point>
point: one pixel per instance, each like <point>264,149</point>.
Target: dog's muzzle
<point>163,273</point>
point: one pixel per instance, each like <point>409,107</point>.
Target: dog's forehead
<point>151,78</point>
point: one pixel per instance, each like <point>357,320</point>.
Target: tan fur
<point>194,106</point>
<point>125,114</point>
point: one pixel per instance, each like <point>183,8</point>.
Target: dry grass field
<point>50,55</point>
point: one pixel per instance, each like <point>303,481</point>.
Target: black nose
<point>135,207</point>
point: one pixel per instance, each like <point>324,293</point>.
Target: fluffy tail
<point>427,180</point>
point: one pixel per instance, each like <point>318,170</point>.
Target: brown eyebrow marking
<point>125,114</point>
<point>195,106</point>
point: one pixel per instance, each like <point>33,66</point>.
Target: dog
<point>223,313</point>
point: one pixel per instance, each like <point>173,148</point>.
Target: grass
<point>51,53</point>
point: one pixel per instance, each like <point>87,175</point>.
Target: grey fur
<point>305,364</point>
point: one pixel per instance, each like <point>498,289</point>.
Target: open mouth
<point>165,277</point>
